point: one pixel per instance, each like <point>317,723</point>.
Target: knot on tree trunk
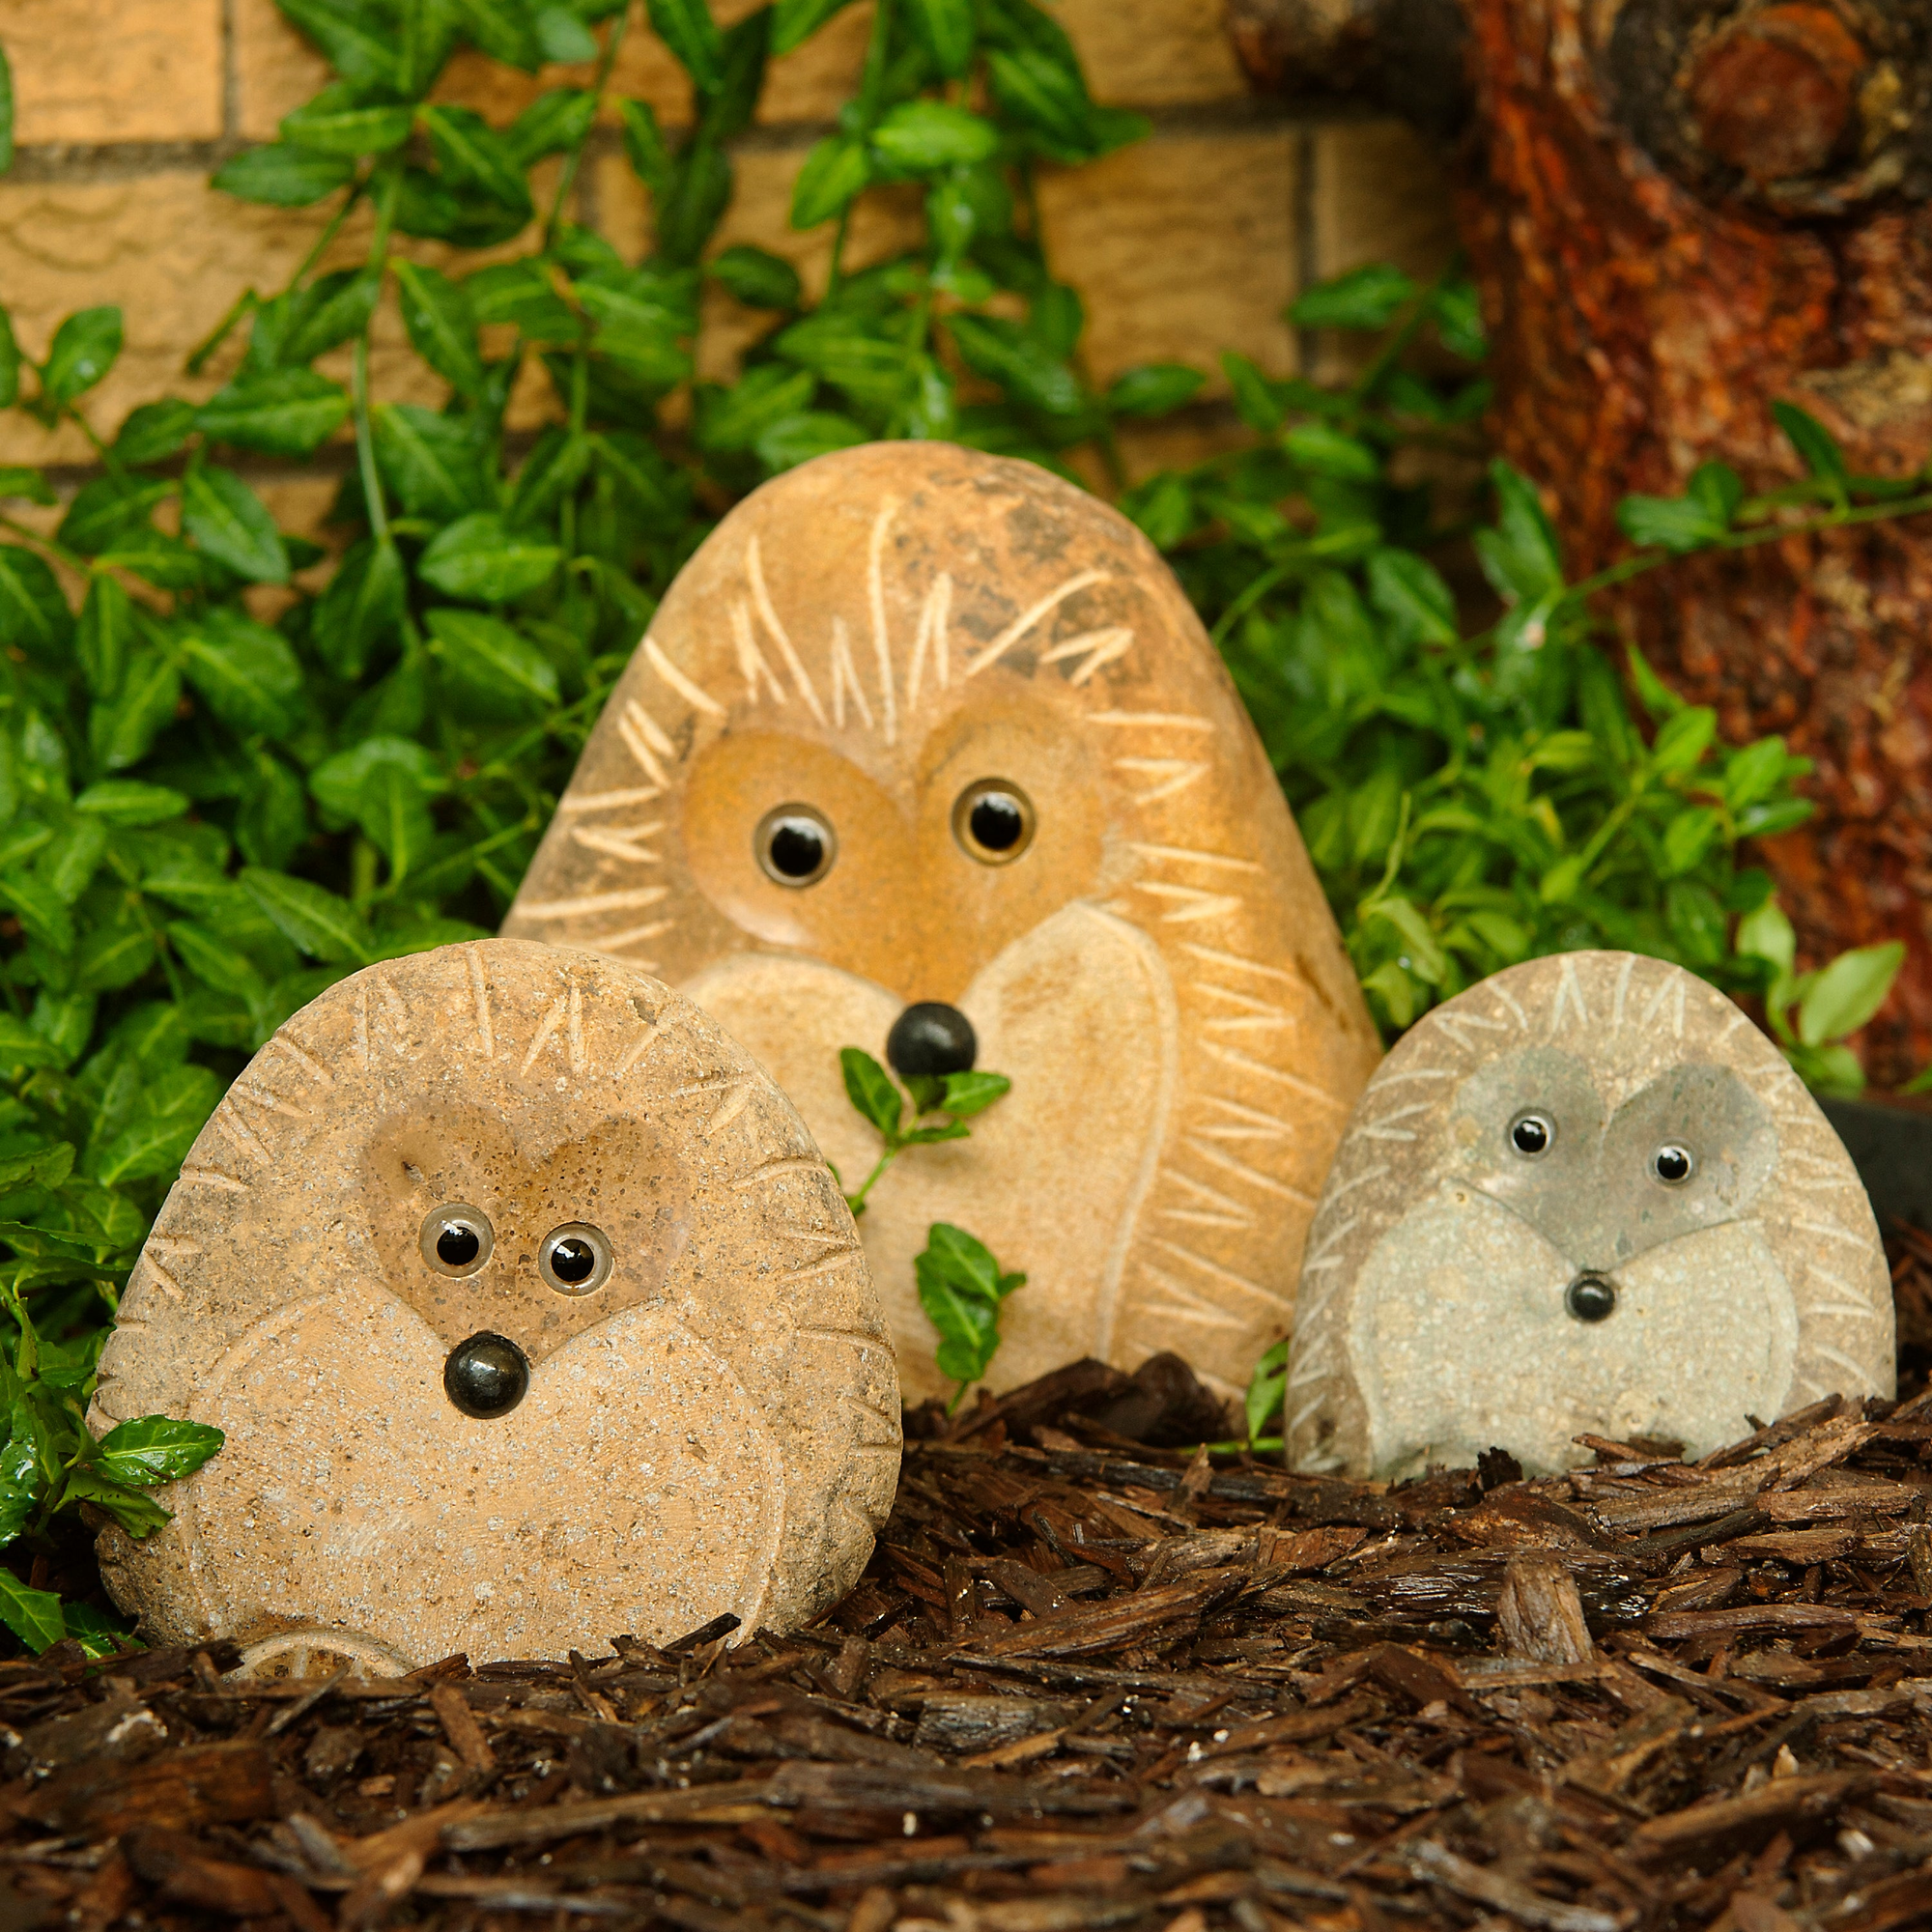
<point>1775,93</point>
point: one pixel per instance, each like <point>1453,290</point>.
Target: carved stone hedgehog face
<point>919,727</point>
<point>1586,1195</point>
<point>531,1315</point>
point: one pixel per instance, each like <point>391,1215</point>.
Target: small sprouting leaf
<point>84,348</point>
<point>1006,354</point>
<point>339,784</point>
<point>799,439</point>
<point>311,918</point>
<point>154,1449</point>
<point>1816,446</point>
<point>1323,450</point>
<point>351,36</point>
<point>430,461</point>
<point>136,1513</point>
<point>34,1616</point>
<point>1266,1387</point>
<point>871,1090</point>
<point>919,136</point>
<point>967,1094</point>
<point>282,413</point>
<point>1044,90</point>
<point>1366,298</point>
<point>1410,592</point>
<point>285,176</point>
<point>795,21</point>
<point>122,731</point>
<point>482,558</point>
<point>552,124</point>
<point>504,30</point>
<point>488,662</point>
<point>1153,389</point>
<point>563,37</point>
<point>757,278</point>
<point>1767,934</point>
<point>1520,556</point>
<point>50,1163</point>
<point>1845,994</point>
<point>473,155</point>
<point>1688,836</point>
<point>1679,523</point>
<point>232,525</point>
<point>686,27</point>
<point>961,1289</point>
<point>154,431</point>
<point>1422,952</point>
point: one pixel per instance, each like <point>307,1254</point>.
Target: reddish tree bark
<point>1680,212</point>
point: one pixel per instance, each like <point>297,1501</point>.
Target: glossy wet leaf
<point>154,1449</point>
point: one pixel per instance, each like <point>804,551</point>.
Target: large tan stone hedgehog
<point>1587,1196</point>
<point>926,753</point>
<point>533,1317</point>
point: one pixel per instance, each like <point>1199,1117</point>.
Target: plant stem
<point>574,160</point>
<point>857,1202</point>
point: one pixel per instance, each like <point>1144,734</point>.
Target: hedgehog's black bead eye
<point>795,845</point>
<point>1532,1134</point>
<point>487,1376</point>
<point>574,1259</point>
<point>1672,1164</point>
<point>1591,1299</point>
<point>457,1240</point>
<point>993,821</point>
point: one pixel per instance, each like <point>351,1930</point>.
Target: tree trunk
<point>1681,212</point>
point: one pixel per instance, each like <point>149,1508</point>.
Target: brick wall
<point>1183,246</point>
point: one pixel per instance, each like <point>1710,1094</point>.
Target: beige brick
<point>1381,194</point>
<point>97,71</point>
<point>1180,248</point>
<point>275,69</point>
<point>1153,54</point>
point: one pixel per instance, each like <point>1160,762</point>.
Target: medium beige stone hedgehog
<point>1586,1195</point>
<point>926,753</point>
<point>532,1316</point>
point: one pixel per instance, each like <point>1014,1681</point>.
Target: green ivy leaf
<point>482,558</point>
<point>85,347</point>
<point>34,1616</point>
<point>122,729</point>
<point>139,1515</point>
<point>128,802</point>
<point>154,431</point>
<point>355,38</point>
<point>794,440</point>
<point>1816,446</point>
<point>969,1094</point>
<point>473,155</point>
<point>921,136</point>
<point>105,636</point>
<point>563,37</point>
<point>285,176</point>
<point>1006,354</point>
<point>1369,298</point>
<point>961,1289</point>
<point>488,663</point>
<point>644,145</point>
<point>755,278</point>
<point>834,173</point>
<point>552,124</point>
<point>339,122</point>
<point>871,1090</point>
<point>318,922</point>
<point>503,29</point>
<point>339,784</point>
<point>1843,996</point>
<point>1044,91</point>
<point>686,27</point>
<point>330,311</point>
<point>283,413</point>
<point>154,1449</point>
<point>1266,1388</point>
<point>430,461</point>
<point>795,21</point>
<point>1520,556</point>
<point>246,674</point>
<point>1153,389</point>
<point>946,29</point>
<point>363,606</point>
<point>441,326</point>
<point>232,525</point>
<point>33,616</point>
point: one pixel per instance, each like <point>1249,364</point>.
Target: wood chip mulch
<point>1088,1682</point>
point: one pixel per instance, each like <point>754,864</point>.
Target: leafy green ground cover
<point>207,817</point>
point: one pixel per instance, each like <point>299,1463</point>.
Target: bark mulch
<point>1091,1682</point>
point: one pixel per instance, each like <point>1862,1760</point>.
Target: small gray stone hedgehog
<point>1586,1195</point>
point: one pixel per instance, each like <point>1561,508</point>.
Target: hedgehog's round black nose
<point>487,1376</point>
<point>931,1038</point>
<point>1591,1298</point>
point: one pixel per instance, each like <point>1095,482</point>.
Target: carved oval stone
<point>714,1428</point>
<point>1586,1195</point>
<point>922,724</point>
